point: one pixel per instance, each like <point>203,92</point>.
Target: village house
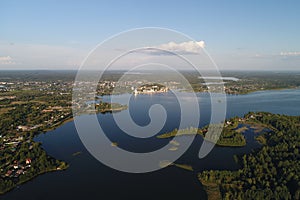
<point>8,173</point>
<point>23,128</point>
<point>28,161</point>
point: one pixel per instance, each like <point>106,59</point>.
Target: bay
<point>86,178</point>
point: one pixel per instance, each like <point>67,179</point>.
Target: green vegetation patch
<point>271,172</point>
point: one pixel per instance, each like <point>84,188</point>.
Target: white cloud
<point>190,47</point>
<point>6,60</point>
<point>290,53</point>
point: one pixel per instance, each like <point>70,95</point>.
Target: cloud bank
<point>290,53</point>
<point>6,60</point>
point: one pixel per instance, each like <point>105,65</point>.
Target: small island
<point>166,163</point>
<point>114,144</point>
<point>231,136</point>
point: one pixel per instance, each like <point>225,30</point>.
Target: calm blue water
<point>87,178</point>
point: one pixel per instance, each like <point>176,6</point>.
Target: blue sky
<point>237,34</point>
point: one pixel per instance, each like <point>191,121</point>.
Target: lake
<point>86,178</point>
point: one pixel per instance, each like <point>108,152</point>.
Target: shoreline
<point>250,91</point>
<point>57,125</point>
<point>32,178</point>
<point>71,118</point>
<point>220,184</point>
<point>226,93</point>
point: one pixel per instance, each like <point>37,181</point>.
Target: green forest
<point>271,172</point>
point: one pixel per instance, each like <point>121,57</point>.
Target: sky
<point>238,35</point>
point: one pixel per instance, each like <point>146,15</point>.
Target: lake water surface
<point>86,178</point>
